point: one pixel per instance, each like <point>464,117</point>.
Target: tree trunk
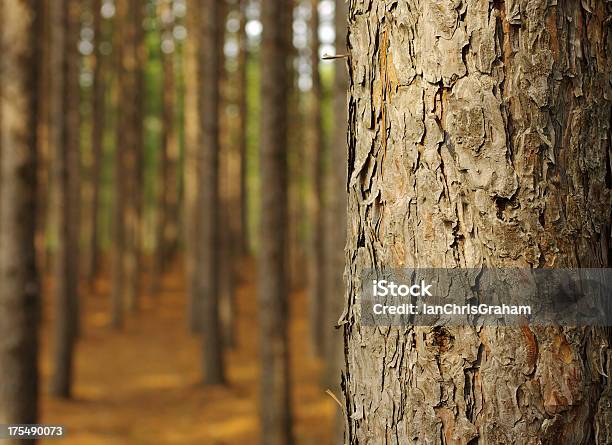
<point>192,146</point>
<point>98,115</point>
<point>228,203</point>
<point>167,206</point>
<point>243,60</point>
<point>296,160</point>
<point>272,274</point>
<point>44,182</point>
<point>134,167</point>
<point>207,268</point>
<point>316,257</point>
<point>127,160</point>
<point>479,137</point>
<point>67,258</point>
<point>19,298</point>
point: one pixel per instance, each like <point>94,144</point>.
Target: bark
<point>207,267</point>
<point>67,257</point>
<point>19,294</point>
<point>316,257</point>
<point>98,119</point>
<point>479,136</point>
<point>336,220</point>
<point>192,136</point>
<point>273,289</point>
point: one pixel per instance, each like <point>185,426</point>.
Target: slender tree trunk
<point>44,180</point>
<point>273,289</point>
<point>134,167</point>
<point>316,257</point>
<point>19,293</point>
<point>243,60</point>
<point>67,258</point>
<point>209,243</point>
<point>479,137</point>
<point>296,160</point>
<point>167,210</point>
<point>191,175</point>
<point>98,116</point>
<point>227,215</point>
<point>336,221</point>
<point>127,160</point>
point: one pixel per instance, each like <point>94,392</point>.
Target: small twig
<point>333,396</point>
<point>335,56</point>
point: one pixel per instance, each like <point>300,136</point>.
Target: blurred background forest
<point>190,219</point>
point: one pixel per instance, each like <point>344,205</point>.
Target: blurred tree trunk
<point>19,293</point>
<point>207,268</point>
<point>168,193</point>
<point>191,175</point>
<point>273,292</point>
<point>98,119</point>
<point>227,212</point>
<point>335,220</point>
<point>296,159</point>
<point>316,256</point>
<point>44,179</point>
<point>128,174</point>
<point>243,60</point>
<point>136,157</point>
<point>483,143</point>
<point>67,258</point>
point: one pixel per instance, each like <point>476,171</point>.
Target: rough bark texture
<point>207,268</point>
<point>67,257</point>
<point>479,136</point>
<point>272,274</point>
<point>19,300</point>
<point>316,256</point>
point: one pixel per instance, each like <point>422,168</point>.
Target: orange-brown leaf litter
<point>141,384</point>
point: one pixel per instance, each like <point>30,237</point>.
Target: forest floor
<point>141,384</point>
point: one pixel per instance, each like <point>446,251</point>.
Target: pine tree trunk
<point>128,157</point>
<point>67,258</point>
<point>227,213</point>
<point>207,268</point>
<point>296,160</point>
<point>167,206</point>
<point>98,115</point>
<point>134,155</point>
<point>272,274</point>
<point>243,60</point>
<point>44,180</point>
<point>192,146</point>
<point>19,293</point>
<point>316,257</point>
<point>479,136</point>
